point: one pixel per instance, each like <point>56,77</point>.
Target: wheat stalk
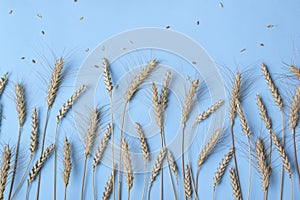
<point>222,167</point>
<point>295,71</point>
<point>187,183</point>
<point>235,93</point>
<point>3,81</point>
<point>163,100</point>
<point>127,166</point>
<point>143,142</point>
<point>106,76</point>
<point>54,82</point>
<point>189,101</point>
<point>263,168</point>
<point>102,146</point>
<point>172,164</point>
<point>39,163</point>
<point>139,79</point>
<point>109,186</point>
<point>5,166</point>
<point>209,111</point>
<point>20,103</point>
<point>237,195</point>
<point>273,89</point>
<point>156,107</point>
<point>66,107</point>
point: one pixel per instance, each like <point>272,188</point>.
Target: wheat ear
<point>173,165</point>
<point>236,189</point>
<point>89,140</point>
<point>127,166</point>
<point>3,81</point>
<point>295,71</point>
<point>156,107</point>
<point>187,183</point>
<point>139,79</point>
<point>206,151</point>
<point>66,107</point>
<point>209,111</point>
<point>222,167</point>
<point>54,82</point>
<point>39,163</point>
<point>293,121</point>
<point>145,152</point>
<point>263,168</point>
<point>109,186</point>
<point>163,100</point>
<point>67,163</point>
<point>189,101</point>
<point>5,166</point>
<point>106,76</point>
<point>244,123</point>
<point>156,168</point>
<point>235,93</point>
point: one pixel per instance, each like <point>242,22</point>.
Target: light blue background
<point>223,32</point>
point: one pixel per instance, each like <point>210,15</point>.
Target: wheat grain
<point>109,186</point>
<point>222,167</point>
<point>106,76</point>
<point>91,132</point>
<point>189,101</point>
<point>66,107</point>
<point>156,107</point>
<point>263,113</point>
<point>138,79</point>
<point>244,123</point>
<point>187,183</point>
<point>172,164</point>
<point>295,71</point>
<point>163,100</point>
<point>294,110</point>
<point>209,111</point>
<point>34,131</point>
<point>3,81</point>
<point>157,165</point>
<point>54,82</point>
<point>5,166</point>
<point>127,165</point>
<point>234,97</point>
<point>67,163</point>
<point>284,158</point>
<point>102,146</point>
<point>273,89</point>
<point>263,168</point>
<point>143,142</point>
<point>39,163</point>
<point>207,149</point>
<point>236,190</point>
<point>20,103</point>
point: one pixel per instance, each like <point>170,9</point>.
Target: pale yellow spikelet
<point>273,89</point>
<point>157,165</point>
<point>235,93</point>
<point>295,71</point>
<point>294,110</point>
<point>66,107</point>
<point>263,168</point>
<point>156,107</point>
<point>222,167</point>
<point>207,149</point>
<point>236,189</point>
<point>163,100</point>
<point>4,171</point>
<point>106,76</point>
<point>189,101</point>
<point>67,163</point>
<point>244,123</point>
<point>127,165</point>
<point>173,164</point>
<point>263,113</point>
<point>34,131</point>
<point>109,186</point>
<point>91,132</point>
<point>143,142</point>
<point>209,111</point>
<point>187,182</point>
<point>54,82</point>
<point>3,81</point>
<point>138,80</point>
<point>20,103</point>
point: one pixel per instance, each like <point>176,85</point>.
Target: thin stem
<point>93,184</point>
<point>213,193</point>
<point>119,163</point>
<point>27,191</point>
<point>295,155</point>
<point>113,142</point>
<point>145,181</point>
<point>161,183</point>
<point>128,194</point>
<point>193,184</point>
<point>42,150</point>
<point>270,155</point>
<point>15,163</point>
<point>83,178</point>
<point>149,189</point>
<point>250,168</point>
<point>282,168</point>
<point>22,179</point>
<point>197,175</point>
<point>55,161</point>
<point>65,195</point>
<point>265,195</point>
<point>291,188</point>
<point>182,154</point>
